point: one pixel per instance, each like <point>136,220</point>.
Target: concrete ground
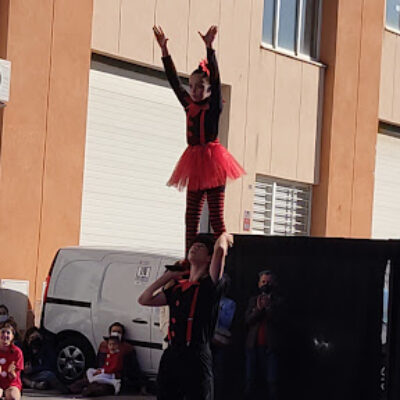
<point>29,394</point>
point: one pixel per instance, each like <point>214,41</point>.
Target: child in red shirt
<point>113,365</point>
<point>11,363</point>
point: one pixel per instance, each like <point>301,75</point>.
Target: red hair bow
<point>204,66</point>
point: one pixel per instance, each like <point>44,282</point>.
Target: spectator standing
<point>261,361</point>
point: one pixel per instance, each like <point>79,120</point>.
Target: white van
<point>87,290</point>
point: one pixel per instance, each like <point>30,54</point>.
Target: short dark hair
<point>269,273</point>
<point>205,239</point>
<point>119,325</point>
<point>5,307</point>
<point>28,333</point>
<point>265,272</point>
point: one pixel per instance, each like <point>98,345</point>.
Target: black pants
<point>186,373</point>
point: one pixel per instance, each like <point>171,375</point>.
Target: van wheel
<point>74,356</point>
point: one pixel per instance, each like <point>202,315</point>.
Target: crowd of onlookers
<point>31,363</point>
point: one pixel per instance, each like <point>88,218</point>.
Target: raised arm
<point>169,67</point>
<point>215,80</point>
<point>218,259</point>
<point>150,298</point>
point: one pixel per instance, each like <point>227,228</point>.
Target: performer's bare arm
<point>150,298</point>
<point>218,259</point>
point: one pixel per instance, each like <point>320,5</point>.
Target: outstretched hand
<point>160,36</point>
<point>209,37</point>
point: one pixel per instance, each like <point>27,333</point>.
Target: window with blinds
<point>281,208</point>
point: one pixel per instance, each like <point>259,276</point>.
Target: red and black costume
<point>9,355</point>
<point>205,165</point>
<point>114,364</point>
<point>185,370</point>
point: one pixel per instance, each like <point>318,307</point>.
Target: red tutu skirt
<point>204,167</point>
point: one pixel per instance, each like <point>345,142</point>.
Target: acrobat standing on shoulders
<point>205,165</point>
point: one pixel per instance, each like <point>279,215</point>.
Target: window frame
<point>299,13</point>
<point>389,28</point>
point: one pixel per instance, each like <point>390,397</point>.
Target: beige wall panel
<point>261,106</point>
<point>233,57</point>
<point>66,130</point>
<point>173,17</point>
<point>106,26</point>
<point>285,127</point>
<point>387,76</point>
<point>233,213</point>
<point>234,64</point>
<point>396,86</point>
<point>236,146</point>
<point>136,36</point>
<point>311,96</point>
<point>234,42</point>
<point>202,15</point>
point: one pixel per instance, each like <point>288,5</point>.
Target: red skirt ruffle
<point>204,167</point>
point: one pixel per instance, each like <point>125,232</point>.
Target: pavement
<point>29,394</point>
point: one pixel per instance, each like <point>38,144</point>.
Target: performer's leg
<point>194,205</point>
<point>169,377</point>
<point>215,199</point>
<point>199,378</point>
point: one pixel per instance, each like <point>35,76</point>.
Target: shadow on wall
<point>19,307</point>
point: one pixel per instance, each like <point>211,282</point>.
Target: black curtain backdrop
<point>393,344</point>
<point>330,317</point>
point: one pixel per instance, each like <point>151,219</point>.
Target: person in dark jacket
<point>40,362</point>
<point>261,362</point>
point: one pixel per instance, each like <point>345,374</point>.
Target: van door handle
<point>156,324</point>
<point>139,321</point>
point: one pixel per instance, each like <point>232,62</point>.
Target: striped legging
<point>194,205</point>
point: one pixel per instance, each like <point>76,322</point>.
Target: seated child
<point>111,372</point>
<point>40,362</point>
<point>132,375</point>
<point>11,363</point>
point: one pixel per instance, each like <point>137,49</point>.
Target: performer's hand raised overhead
<point>161,39</point>
<point>209,36</point>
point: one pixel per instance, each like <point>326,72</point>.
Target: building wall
<point>389,97</point>
<point>275,99</point>
<point>42,134</point>
<point>351,45</point>
<point>274,110</point>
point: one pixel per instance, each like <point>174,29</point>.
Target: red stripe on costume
<point>191,315</point>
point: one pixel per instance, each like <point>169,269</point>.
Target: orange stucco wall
<point>351,48</point>
<point>43,135</point>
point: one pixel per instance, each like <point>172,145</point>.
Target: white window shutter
<point>281,208</point>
